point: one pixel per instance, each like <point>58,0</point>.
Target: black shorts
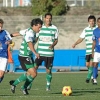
<point>26,62</point>
<point>48,61</point>
<point>89,58</point>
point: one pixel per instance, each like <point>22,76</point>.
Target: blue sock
<point>1,79</point>
<point>95,72</point>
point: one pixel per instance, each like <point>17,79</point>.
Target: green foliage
<point>56,7</point>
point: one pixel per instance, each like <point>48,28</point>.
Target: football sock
<point>20,79</point>
<point>29,86</point>
<point>1,79</point>
<point>28,82</point>
<point>95,72</point>
<point>90,71</point>
<point>48,78</point>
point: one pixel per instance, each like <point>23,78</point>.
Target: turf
<point>81,90</point>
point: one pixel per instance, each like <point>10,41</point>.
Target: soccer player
<point>96,53</point>
<point>47,39</point>
<point>87,35</point>
<point>5,40</point>
<point>25,55</point>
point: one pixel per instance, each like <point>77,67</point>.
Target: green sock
<point>20,79</point>
<point>90,71</point>
<point>28,82</point>
<point>29,86</point>
<point>48,78</point>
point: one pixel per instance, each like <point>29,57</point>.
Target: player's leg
<point>3,65</point>
<point>95,67</point>
<point>36,65</point>
<point>32,73</point>
<point>48,64</point>
<point>89,64</point>
<point>23,77</point>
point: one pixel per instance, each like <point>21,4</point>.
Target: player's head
<point>92,20</point>
<point>36,24</point>
<point>98,22</point>
<point>1,24</point>
<point>48,18</point>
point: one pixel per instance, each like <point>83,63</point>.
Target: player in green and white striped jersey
<point>47,39</point>
<point>87,35</point>
<point>25,55</point>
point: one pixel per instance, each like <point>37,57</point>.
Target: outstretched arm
<point>77,42</point>
<point>15,34</point>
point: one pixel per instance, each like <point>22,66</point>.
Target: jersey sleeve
<point>22,32</point>
<point>29,37</point>
<point>8,35</point>
<point>82,34</point>
<point>37,35</point>
<point>56,34</point>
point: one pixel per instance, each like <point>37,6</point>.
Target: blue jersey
<point>4,37</point>
<point>96,37</point>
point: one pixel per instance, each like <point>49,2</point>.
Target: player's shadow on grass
<point>79,92</point>
<point>83,91</point>
<point>5,95</point>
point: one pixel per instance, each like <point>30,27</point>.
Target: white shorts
<point>96,57</point>
<point>3,63</point>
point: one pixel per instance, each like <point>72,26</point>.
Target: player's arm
<point>56,39</point>
<point>54,43</point>
<point>31,46</point>
<point>82,36</point>
<point>93,46</point>
<point>15,34</point>
<point>77,42</point>
<point>20,33</point>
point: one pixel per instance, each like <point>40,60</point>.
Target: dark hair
<point>98,19</point>
<point>48,14</point>
<point>1,21</point>
<point>91,17</point>
<point>36,21</point>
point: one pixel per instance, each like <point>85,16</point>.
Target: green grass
<point>81,90</point>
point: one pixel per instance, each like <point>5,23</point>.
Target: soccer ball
<point>67,91</point>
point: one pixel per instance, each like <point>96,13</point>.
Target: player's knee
<point>34,73</point>
<point>1,74</point>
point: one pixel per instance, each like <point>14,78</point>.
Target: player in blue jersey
<point>96,53</point>
<point>5,39</point>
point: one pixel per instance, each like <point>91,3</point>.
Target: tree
<point>56,7</point>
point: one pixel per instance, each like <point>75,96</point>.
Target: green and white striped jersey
<point>46,37</point>
<point>87,35</point>
<point>28,36</point>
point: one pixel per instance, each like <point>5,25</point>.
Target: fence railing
<point>83,2</point>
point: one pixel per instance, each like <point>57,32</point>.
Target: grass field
<point>81,90</point>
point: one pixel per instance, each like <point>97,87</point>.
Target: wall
<point>63,59</point>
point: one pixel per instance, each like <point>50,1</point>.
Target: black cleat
<point>13,88</point>
<point>11,82</point>
<point>87,80</point>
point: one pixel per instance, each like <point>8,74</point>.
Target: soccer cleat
<point>11,82</point>
<point>25,92</point>
<point>13,88</point>
<point>48,88</point>
<point>87,80</point>
<point>94,82</point>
